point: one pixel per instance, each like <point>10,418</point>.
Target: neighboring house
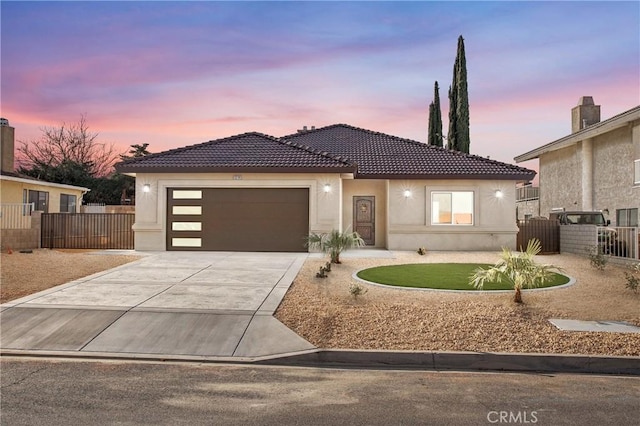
<point>527,202</point>
<point>16,189</point>
<point>596,167</point>
<point>254,192</point>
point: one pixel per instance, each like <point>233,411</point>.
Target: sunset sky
<point>178,73</point>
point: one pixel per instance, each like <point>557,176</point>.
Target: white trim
<point>451,192</point>
<point>636,172</point>
<point>43,183</point>
<point>616,122</point>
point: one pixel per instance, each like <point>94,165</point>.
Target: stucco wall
<point>150,226</point>
<point>612,174</point>
<point>410,227</point>
<point>560,181</point>
<point>12,193</point>
<point>402,223</point>
<point>366,187</point>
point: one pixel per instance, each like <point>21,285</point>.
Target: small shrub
<point>322,273</point>
<point>518,269</point>
<point>633,278</point>
<point>335,242</point>
<point>596,257</point>
<point>422,251</point>
<point>357,290</point>
<point>327,267</point>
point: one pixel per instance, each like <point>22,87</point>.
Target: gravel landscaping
<point>26,273</point>
<point>323,311</point>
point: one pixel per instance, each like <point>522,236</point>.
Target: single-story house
<point>16,188</point>
<point>596,167</point>
<point>254,192</point>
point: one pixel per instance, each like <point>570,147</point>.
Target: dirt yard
<point>324,312</point>
<point>26,273</point>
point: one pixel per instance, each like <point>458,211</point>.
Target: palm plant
<point>519,270</point>
<point>334,242</point>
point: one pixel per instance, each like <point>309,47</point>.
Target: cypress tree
<point>459,103</point>
<point>431,132</point>
<point>435,119</point>
<point>451,136</point>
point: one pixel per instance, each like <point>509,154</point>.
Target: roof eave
<point>235,169</point>
<point>597,129</point>
<point>486,176</point>
<point>44,183</point>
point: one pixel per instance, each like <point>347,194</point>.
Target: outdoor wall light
<point>407,193</point>
<point>499,193</point>
<point>146,187</point>
<point>327,187</point>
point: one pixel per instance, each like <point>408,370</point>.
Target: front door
<point>364,218</point>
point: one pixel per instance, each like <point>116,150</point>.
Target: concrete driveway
<point>209,304</point>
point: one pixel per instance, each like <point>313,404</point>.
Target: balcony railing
<point>527,193</point>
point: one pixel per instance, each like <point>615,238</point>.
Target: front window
<point>67,203</point>
<point>452,208</point>
<point>627,217</point>
<point>636,172</point>
<point>40,200</point>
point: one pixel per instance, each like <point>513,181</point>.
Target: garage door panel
<point>241,219</point>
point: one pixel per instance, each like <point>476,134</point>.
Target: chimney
<point>306,129</point>
<point>585,114</point>
<point>6,145</point>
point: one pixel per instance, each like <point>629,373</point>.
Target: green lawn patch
<point>444,276</point>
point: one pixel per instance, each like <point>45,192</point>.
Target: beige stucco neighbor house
<point>596,167</point>
<point>16,189</point>
<point>254,192</point>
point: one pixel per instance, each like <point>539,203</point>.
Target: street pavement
<point>38,392</point>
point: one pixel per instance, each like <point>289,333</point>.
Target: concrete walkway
<point>211,304</point>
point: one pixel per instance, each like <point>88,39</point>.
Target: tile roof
<point>339,148</point>
<point>385,156</point>
<point>246,152</point>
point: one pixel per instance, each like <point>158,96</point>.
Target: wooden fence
<point>87,231</point>
<point>547,231</point>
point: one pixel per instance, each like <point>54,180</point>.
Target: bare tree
<point>69,143</point>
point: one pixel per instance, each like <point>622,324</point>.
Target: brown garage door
<point>237,219</point>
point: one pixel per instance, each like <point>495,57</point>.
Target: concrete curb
<point>406,360</point>
<point>465,361</point>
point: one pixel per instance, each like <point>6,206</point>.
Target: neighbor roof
<point>379,155</point>
<point>22,178</point>
<point>242,153</point>
<point>617,121</point>
<point>339,148</point>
